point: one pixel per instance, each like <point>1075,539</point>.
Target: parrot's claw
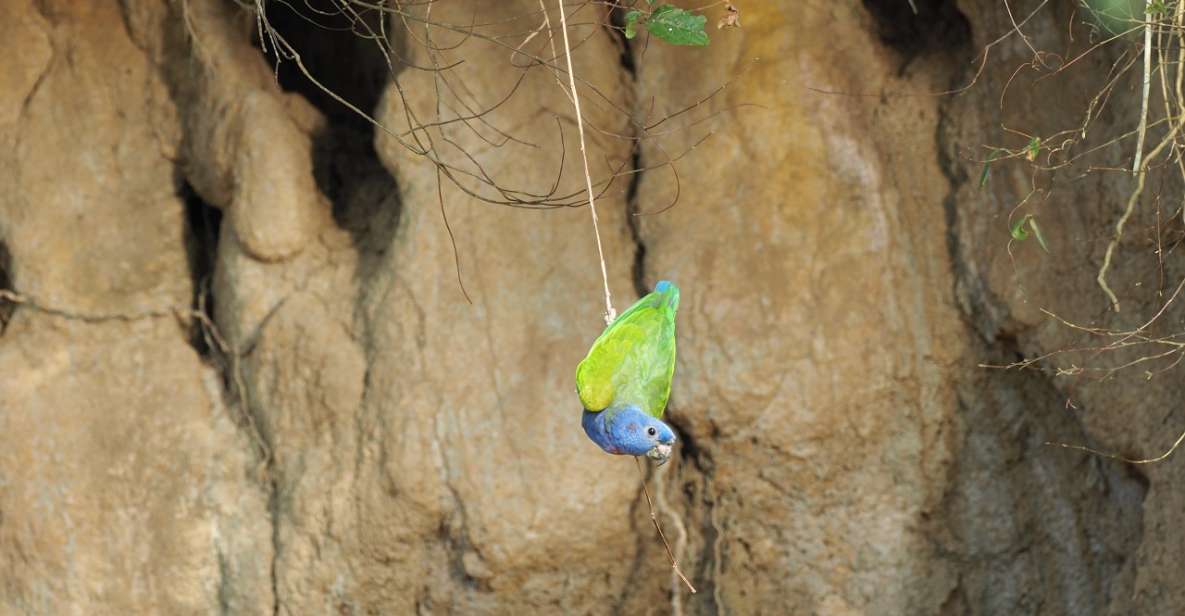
<point>659,453</point>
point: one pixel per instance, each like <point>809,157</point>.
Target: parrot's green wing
<point>633,360</point>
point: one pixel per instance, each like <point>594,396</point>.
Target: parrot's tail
<point>669,293</point>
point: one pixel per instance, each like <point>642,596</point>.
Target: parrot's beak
<point>659,453</point>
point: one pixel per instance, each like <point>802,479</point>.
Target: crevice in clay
<point>454,533</point>
<point>273,510</point>
<point>638,270</point>
<point>6,307</point>
<point>203,226</point>
<point>633,224</point>
<point>978,305</point>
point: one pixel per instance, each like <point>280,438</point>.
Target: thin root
<point>658,527</point>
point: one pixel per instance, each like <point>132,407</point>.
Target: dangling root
<point>658,527</point>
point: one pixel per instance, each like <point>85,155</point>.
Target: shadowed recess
<point>203,226</point>
<point>341,52</point>
<point>6,308</point>
<point>937,25</point>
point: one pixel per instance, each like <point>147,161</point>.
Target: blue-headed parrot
<point>625,379</point>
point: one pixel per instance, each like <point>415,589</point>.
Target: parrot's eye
<point>651,431</point>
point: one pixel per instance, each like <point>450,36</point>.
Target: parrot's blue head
<point>630,432</point>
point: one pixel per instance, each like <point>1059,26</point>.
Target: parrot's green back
<point>633,360</point>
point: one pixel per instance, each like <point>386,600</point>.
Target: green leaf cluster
<point>669,23</point>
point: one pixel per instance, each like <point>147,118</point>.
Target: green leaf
<point>1018,230</point>
<point>1037,233</point>
<point>987,167</point>
<point>677,26</point>
<point>631,23</point>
